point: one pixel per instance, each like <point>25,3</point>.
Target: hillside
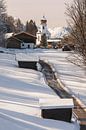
<point>21,89</point>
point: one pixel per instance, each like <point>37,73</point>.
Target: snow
<point>59,32</point>
<point>56,103</point>
<point>72,76</point>
<point>21,90</point>
<point>20,57</point>
<point>53,40</point>
<point>8,35</point>
<point>20,121</point>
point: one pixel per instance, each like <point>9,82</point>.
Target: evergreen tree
<point>31,27</point>
<point>10,24</point>
<point>35,28</point>
<point>19,26</point>
<point>27,29</point>
<point>44,40</point>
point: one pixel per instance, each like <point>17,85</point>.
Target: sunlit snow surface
<point>21,89</point>
<point>72,76</point>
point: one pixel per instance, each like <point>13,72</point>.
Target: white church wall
<point>42,30</point>
<point>38,40</point>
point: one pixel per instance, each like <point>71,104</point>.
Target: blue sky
<point>34,9</point>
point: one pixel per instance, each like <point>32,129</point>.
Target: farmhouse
<point>21,40</point>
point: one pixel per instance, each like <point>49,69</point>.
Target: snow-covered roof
<point>53,40</point>
<point>25,57</point>
<point>8,35</point>
<point>55,103</point>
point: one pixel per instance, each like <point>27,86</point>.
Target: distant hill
<point>59,32</point>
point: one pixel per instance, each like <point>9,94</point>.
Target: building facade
<point>21,40</point>
<point>42,30</point>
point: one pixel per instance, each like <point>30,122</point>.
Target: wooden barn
<point>57,109</point>
<point>21,40</point>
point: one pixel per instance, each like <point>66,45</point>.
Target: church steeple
<point>43,20</point>
<point>43,25</point>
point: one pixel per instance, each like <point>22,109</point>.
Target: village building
<point>21,40</point>
<point>54,43</point>
<point>42,30</point>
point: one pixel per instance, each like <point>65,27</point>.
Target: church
<point>42,30</point>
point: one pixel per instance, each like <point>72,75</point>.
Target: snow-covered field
<point>21,89</point>
<point>72,76</point>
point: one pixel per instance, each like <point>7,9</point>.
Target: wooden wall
<point>28,64</point>
<point>13,43</point>
<point>63,114</point>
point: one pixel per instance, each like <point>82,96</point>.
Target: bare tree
<point>77,22</point>
<point>2,7</point>
<point>2,22</point>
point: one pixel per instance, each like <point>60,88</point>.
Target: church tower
<point>43,25</point>
<point>42,30</point>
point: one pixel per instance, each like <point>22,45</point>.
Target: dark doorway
<point>28,46</point>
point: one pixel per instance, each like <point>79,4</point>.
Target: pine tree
<point>10,24</point>
<point>31,27</point>
<point>26,28</point>
<point>19,26</point>
<point>44,40</point>
<point>35,28</point>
